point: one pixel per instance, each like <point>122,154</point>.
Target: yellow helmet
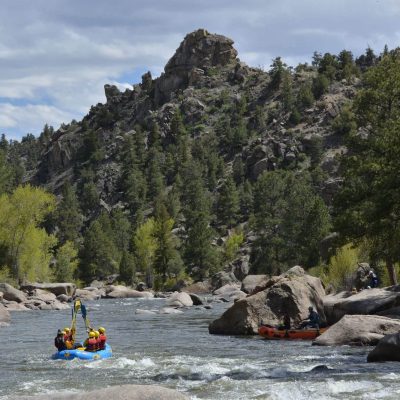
<point>92,334</point>
<point>63,332</point>
<point>96,334</point>
<point>102,330</point>
<point>67,330</point>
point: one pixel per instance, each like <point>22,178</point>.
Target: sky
<point>57,55</point>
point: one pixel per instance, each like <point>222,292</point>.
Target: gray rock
<point>170,310</point>
<point>87,295</point>
<point>240,267</point>
<point>121,292</point>
<point>368,301</point>
<point>145,312</point>
<point>56,288</point>
<point>4,316</point>
<point>14,306</point>
<point>358,330</point>
<point>124,392</point>
<point>291,293</point>
<point>43,295</point>
<point>251,282</point>
<point>12,294</point>
<point>223,278</point>
<point>63,298</point>
<point>179,299</point>
<point>196,299</point>
<point>203,287</point>
<point>387,349</point>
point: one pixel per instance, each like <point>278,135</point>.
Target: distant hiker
<point>373,279</point>
<point>312,321</point>
<point>59,341</point>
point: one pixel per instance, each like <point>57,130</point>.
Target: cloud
<point>60,53</point>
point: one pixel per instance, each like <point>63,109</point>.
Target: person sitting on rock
<point>373,283</point>
<point>102,338</point>
<point>312,321</point>
<point>59,341</point>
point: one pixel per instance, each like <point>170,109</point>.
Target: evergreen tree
<point>127,268</point>
<point>228,203</point>
<point>68,216</point>
<point>99,256</point>
<point>167,258</point>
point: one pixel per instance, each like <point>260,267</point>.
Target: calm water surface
<point>176,351</point>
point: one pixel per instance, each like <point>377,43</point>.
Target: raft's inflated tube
<point>82,354</point>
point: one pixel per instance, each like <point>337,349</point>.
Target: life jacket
<point>91,345</point>
<point>69,344</point>
<point>102,341</point>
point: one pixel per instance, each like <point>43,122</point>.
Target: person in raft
<point>102,338</point>
<point>312,321</point>
<point>285,324</point>
<point>68,340</point>
<point>91,343</point>
<point>59,341</point>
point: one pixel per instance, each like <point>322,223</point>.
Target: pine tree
<point>127,268</point>
<point>68,216</point>
<point>166,255</point>
<point>228,203</point>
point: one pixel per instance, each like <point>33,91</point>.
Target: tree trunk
<point>392,272</point>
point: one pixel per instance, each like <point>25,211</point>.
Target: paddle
<point>75,309</point>
<point>85,318</point>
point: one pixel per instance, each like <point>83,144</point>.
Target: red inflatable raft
<point>270,332</point>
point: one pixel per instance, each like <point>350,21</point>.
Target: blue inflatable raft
<point>82,354</point>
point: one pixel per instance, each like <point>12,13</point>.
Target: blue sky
<point>56,55</point>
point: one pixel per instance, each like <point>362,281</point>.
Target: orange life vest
<point>102,341</point>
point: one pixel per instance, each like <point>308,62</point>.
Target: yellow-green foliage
<point>338,273</point>
<point>232,245</point>
<point>67,262</point>
<point>28,246</point>
<point>145,245</point>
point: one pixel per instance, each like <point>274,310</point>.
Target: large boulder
<point>88,295</point>
<point>203,287</point>
<point>179,299</point>
<point>43,295</point>
<point>12,294</point>
<point>124,392</point>
<point>223,278</point>
<point>387,349</point>
<point>251,282</point>
<point>229,292</point>
<point>56,288</point>
<point>121,292</point>
<point>368,301</point>
<point>290,293</point>
<point>358,330</point>
<point>4,316</point>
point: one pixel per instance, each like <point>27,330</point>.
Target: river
<point>176,351</point>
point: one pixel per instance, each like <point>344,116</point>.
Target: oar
<point>85,317</point>
<point>75,309</point>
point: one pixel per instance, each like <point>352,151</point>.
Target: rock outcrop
<point>120,292</point>
<point>198,53</point>
<point>358,330</point>
<point>251,282</point>
<point>4,316</point>
<point>56,288</point>
<point>387,349</point>
<point>12,294</point>
<point>290,293</point>
<point>368,301</point>
<point>124,392</point>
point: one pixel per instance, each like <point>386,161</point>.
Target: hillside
<point>242,162</point>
